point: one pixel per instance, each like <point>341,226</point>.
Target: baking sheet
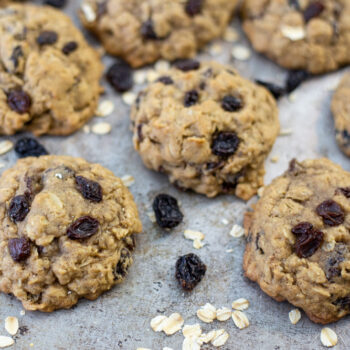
<point>120,318</point>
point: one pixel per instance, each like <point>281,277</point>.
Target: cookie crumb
<point>237,231</point>
<point>241,53</point>
<point>285,132</point>
<point>229,250</point>
<point>225,221</point>
<point>215,49</point>
<point>152,76</point>
<point>105,108</point>
<point>261,191</point>
<point>140,77</point>
<point>6,341</point>
<point>240,319</point>
<point>293,33</point>
<point>11,325</point>
<point>152,217</point>
<point>86,129</point>
<point>207,313</point>
<point>88,12</point>
<point>240,304</point>
<point>231,35</point>
<point>101,128</point>
<point>223,314</point>
<point>274,159</point>
<point>294,316</point>
<point>162,66</point>
<point>22,312</point>
<point>5,146</point>
<point>328,337</point>
<point>128,180</point>
<point>328,246</point>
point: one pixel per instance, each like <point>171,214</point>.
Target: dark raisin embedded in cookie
<point>225,144</point>
<point>345,191</point>
<point>193,7</point>
<point>313,10</point>
<point>55,3</point>
<point>19,208</point>
<point>83,227</point>
<point>19,249</point>
<point>148,31</point>
<point>331,213</point>
<point>167,211</point>
<point>231,103</point>
<point>189,271</point>
<point>70,47</point>
<point>342,303</point>
<point>122,267</point>
<point>47,37</point>
<point>276,90</point>
<point>191,98</point>
<point>294,3</point>
<point>187,65</point>
<point>29,147</point>
<point>295,78</point>
<point>165,80</point>
<point>90,190</point>
<point>16,54</point>
<point>120,76</point>
<point>19,101</point>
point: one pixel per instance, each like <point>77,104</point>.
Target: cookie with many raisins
<point>207,128</point>
<point>312,35</point>
<point>341,114</point>
<point>143,31</point>
<point>66,231</point>
<point>298,240</point>
<point>49,74</point>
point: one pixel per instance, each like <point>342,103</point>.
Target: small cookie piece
<point>206,127</point>
<point>313,35</point>
<point>341,114</point>
<point>143,31</point>
<point>49,74</point>
<point>298,241</point>
<point>66,229</point>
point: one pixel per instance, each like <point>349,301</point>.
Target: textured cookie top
<point>65,231</point>
<point>206,126</point>
<point>300,34</point>
<point>298,239</point>
<point>142,31</point>
<point>49,75</point>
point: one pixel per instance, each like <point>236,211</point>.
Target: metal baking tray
<point>120,318</point>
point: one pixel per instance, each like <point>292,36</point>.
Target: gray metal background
<point>120,318</point>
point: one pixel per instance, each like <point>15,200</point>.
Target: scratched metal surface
<point>120,318</point>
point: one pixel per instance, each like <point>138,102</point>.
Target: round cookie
<point>206,127</point>
<point>341,114</point>
<point>142,31</point>
<point>300,34</point>
<point>65,234</point>
<point>298,241</point>
<point>49,74</point>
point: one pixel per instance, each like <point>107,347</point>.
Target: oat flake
<point>231,35</point>
<point>157,323</point>
<point>128,180</point>
<point>240,304</point>
<point>140,77</point>
<point>220,338</point>
<point>6,341</point>
<point>328,337</point>
<point>241,53</point>
<point>207,313</point>
<point>237,231</point>
<point>190,344</point>
<point>240,319</point>
<point>285,132</point>
<point>101,128</point>
<point>173,324</point>
<point>293,33</point>
<point>5,146</point>
<point>192,331</point>
<point>294,316</point>
<point>105,108</point>
<point>223,314</point>
<point>89,12</point>
<point>11,325</point>
<point>162,66</point>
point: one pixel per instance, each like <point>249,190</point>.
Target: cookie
<point>206,127</point>
<point>65,234</point>
<point>298,242</point>
<point>143,31</point>
<point>341,114</point>
<point>49,74</point>
<point>300,34</point>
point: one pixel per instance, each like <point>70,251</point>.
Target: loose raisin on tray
<point>90,189</point>
<point>345,191</point>
<point>193,7</point>
<point>19,208</point>
<point>331,213</point>
<point>313,10</point>
<point>167,211</point>
<point>187,65</point>
<point>308,240</point>
<point>47,37</point>
<point>120,76</point>
<point>231,103</point>
<point>84,227</point>
<point>19,249</point>
<point>19,101</point>
<point>189,271</point>
<point>191,98</point>
<point>70,47</point>
<point>55,3</point>
<point>148,31</point>
<point>276,91</point>
<point>295,78</point>
<point>166,80</point>
<point>225,144</point>
<point>29,147</point>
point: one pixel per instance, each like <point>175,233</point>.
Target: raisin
<point>166,209</point>
<point>191,98</point>
<point>276,91</point>
<point>29,147</point>
<point>140,136</point>
<point>16,54</point>
<point>120,76</point>
<point>313,10</point>
<point>166,80</point>
<point>19,249</point>
<point>231,103</point>
<point>123,264</point>
<point>55,3</point>
<point>343,303</point>
<point>225,144</point>
<point>70,47</point>
<point>231,182</point>
<point>193,7</point>
<point>90,190</point>
<point>308,240</point>
<point>331,213</point>
<point>19,101</point>
<point>187,65</point>
<point>345,191</point>
<point>335,258</point>
<point>83,227</point>
<point>295,4</point>
<point>19,208</point>
<point>189,271</point>
<point>295,78</point>
<point>47,37</point>
<point>148,31</point>
<point>101,8</point>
